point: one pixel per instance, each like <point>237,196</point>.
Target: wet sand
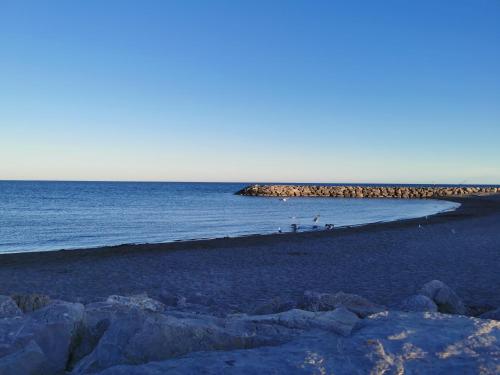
<point>384,262</point>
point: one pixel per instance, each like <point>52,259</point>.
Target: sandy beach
<point>384,262</point>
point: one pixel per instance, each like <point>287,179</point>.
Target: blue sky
<point>319,91</point>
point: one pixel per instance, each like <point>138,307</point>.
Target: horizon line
<point>249,182</point>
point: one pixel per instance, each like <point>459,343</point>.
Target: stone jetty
<point>348,191</point>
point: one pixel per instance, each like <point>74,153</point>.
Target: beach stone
<point>492,314</point>
<point>8,308</point>
<point>444,297</point>
<point>198,299</point>
<point>139,301</point>
<point>324,301</point>
<point>28,360</point>
<point>275,305</point>
<point>172,299</point>
<point>340,320</point>
<point>418,302</point>
<point>31,302</point>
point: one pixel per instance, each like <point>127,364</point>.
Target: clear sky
<point>319,91</point>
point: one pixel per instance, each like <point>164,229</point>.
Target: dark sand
<point>383,262</point>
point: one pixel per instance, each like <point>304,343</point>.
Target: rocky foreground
<point>431,332</point>
<point>405,192</point>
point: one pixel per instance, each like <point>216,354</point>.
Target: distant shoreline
<point>320,228</point>
<point>195,242</point>
<point>354,183</point>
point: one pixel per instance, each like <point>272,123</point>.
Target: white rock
<point>388,343</point>
<point>493,314</point>
<point>53,328</point>
<point>445,298</point>
<point>140,301</point>
<point>28,360</point>
<point>275,305</point>
<point>141,336</point>
<point>172,299</point>
<point>324,301</point>
<point>340,320</point>
<point>418,302</point>
<point>8,308</point>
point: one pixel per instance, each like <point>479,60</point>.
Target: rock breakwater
<point>348,191</point>
<point>330,333</point>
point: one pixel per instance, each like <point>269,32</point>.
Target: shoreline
<point>382,261</point>
<point>196,240</point>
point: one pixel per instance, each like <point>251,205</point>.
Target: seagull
<point>316,219</point>
<point>284,199</point>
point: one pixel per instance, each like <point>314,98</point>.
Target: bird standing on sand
<point>315,221</point>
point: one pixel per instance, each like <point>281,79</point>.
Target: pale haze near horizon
<point>404,92</point>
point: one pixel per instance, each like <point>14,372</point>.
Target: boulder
<point>445,298</point>
<point>54,328</point>
<point>200,299</point>
<point>276,305</point>
<point>171,299</point>
<point>144,336</point>
<point>31,302</point>
<point>139,301</point>
<point>492,314</point>
<point>29,360</point>
<point>8,308</point>
<point>417,303</point>
<point>10,342</point>
<point>362,307</point>
<point>340,320</point>
<point>386,343</point>
<point>98,316</point>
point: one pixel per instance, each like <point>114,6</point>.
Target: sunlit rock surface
<point>387,343</point>
<point>335,333</point>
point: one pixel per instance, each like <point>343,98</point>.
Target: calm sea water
<point>39,216</point>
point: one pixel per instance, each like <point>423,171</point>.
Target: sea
<point>55,215</point>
